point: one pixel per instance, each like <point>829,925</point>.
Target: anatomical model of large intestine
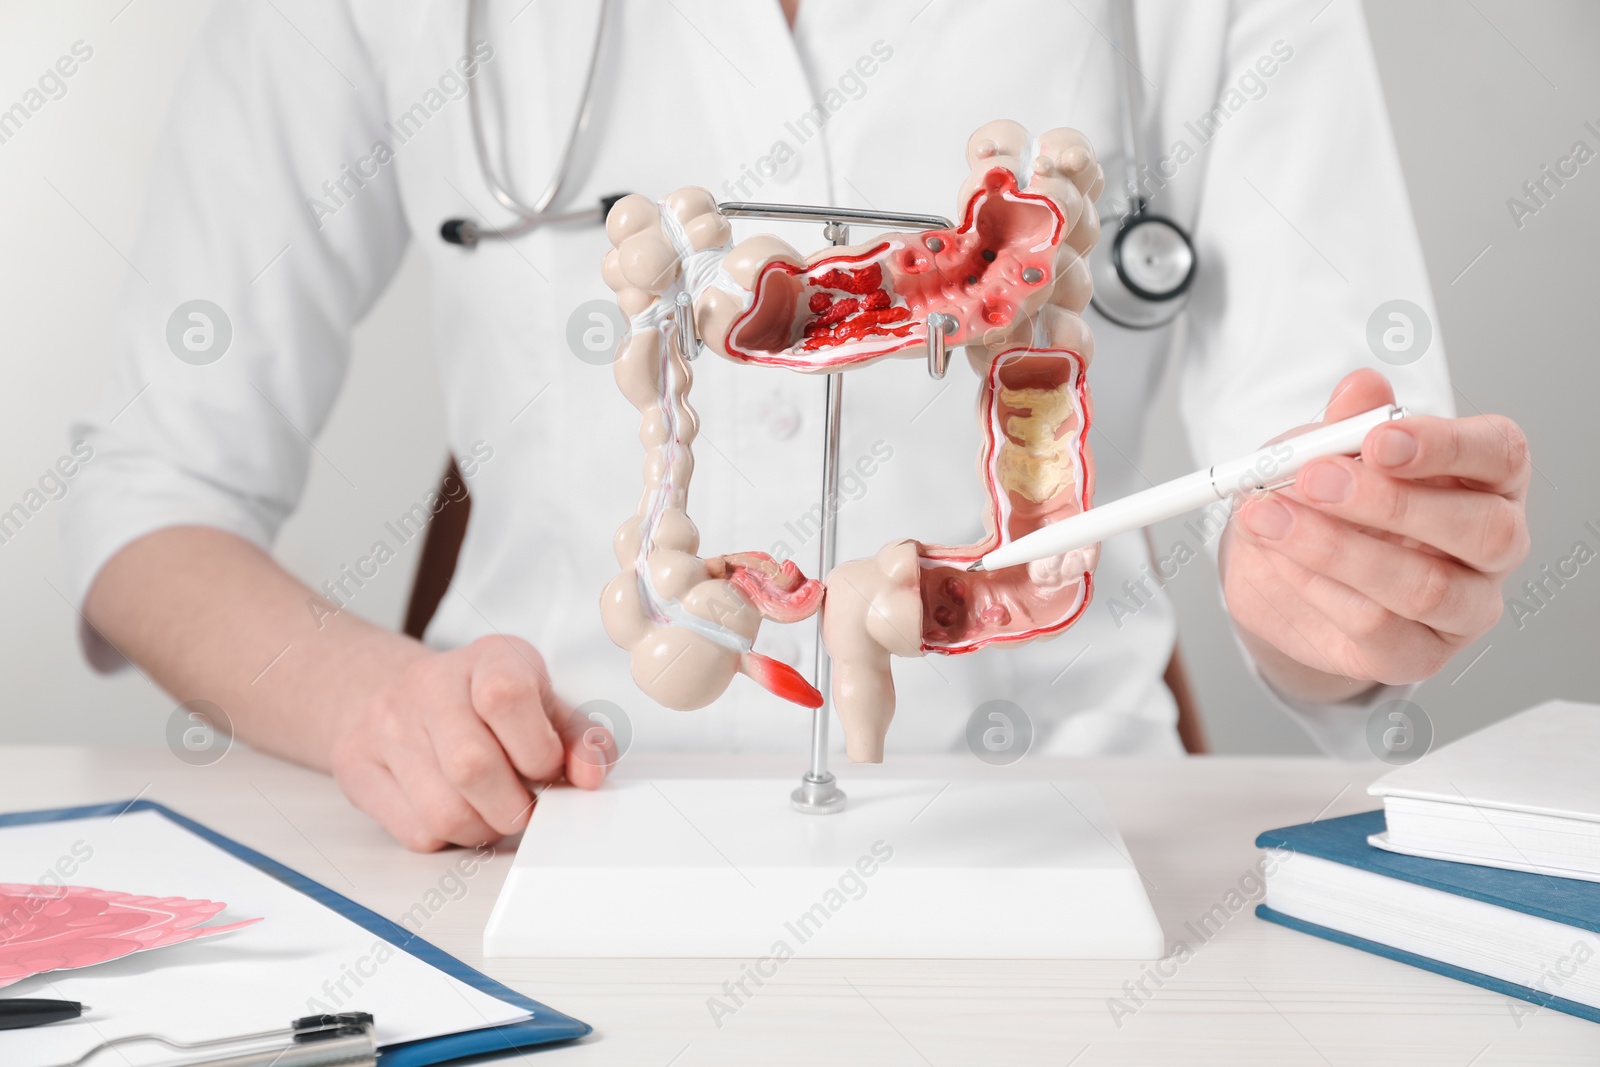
<point>1010,281</point>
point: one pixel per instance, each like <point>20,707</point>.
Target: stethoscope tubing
<point>529,216</point>
<point>467,232</point>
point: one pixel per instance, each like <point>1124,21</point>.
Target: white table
<point>1253,993</point>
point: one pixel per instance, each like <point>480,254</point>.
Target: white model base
<point>674,867</point>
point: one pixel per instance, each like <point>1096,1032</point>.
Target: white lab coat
<point>1297,205</point>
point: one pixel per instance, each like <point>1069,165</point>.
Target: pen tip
<point>976,565</point>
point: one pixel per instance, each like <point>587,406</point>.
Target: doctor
<point>310,144</point>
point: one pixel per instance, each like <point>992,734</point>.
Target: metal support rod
<point>844,217</point>
<point>827,554</point>
<point>819,792</point>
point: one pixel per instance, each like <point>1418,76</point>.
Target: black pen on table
<point>22,1012</point>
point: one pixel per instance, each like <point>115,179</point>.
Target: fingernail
<point>1326,483</point>
<point>1268,518</point>
<point>1394,447</point>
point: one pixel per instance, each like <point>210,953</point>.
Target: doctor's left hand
<point>1379,570</point>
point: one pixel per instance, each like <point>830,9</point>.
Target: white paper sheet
<point>259,978</point>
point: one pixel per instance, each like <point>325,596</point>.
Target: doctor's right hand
<point>452,751</point>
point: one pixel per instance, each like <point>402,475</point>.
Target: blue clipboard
<point>546,1026</point>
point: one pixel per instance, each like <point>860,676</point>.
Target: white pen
<point>1277,464</point>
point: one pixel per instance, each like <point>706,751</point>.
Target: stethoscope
<point>1142,273</point>
<point>466,232</point>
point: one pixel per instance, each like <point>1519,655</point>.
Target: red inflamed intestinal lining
<point>870,303</point>
<point>845,318</point>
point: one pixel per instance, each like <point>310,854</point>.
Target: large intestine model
<point>1009,281</point>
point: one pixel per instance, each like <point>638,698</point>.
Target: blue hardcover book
<point>1381,917</point>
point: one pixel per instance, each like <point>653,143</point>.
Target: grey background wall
<point>1482,95</point>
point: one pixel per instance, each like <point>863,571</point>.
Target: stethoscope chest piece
<point>1142,275</point>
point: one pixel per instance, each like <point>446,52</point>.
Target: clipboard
<point>545,1027</point>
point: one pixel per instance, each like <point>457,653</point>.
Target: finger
<point>1483,530</point>
<point>1488,452</point>
<point>474,763</point>
<point>587,767</point>
<point>510,692</point>
<point>1261,601</point>
<point>591,752</point>
<point>1358,392</point>
<point>372,788</point>
<point>1391,649</point>
<point>440,807</point>
<point>1437,592</point>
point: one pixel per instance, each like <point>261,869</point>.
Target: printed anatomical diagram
<point>1008,283</point>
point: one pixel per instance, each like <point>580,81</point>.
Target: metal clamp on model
<point>688,334</point>
<point>939,324</point>
<point>315,1041</point>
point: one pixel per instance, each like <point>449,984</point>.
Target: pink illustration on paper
<point>53,928</point>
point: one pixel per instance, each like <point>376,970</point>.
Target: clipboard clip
<point>344,1040</point>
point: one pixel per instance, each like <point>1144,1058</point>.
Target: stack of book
<point>1484,865</point>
